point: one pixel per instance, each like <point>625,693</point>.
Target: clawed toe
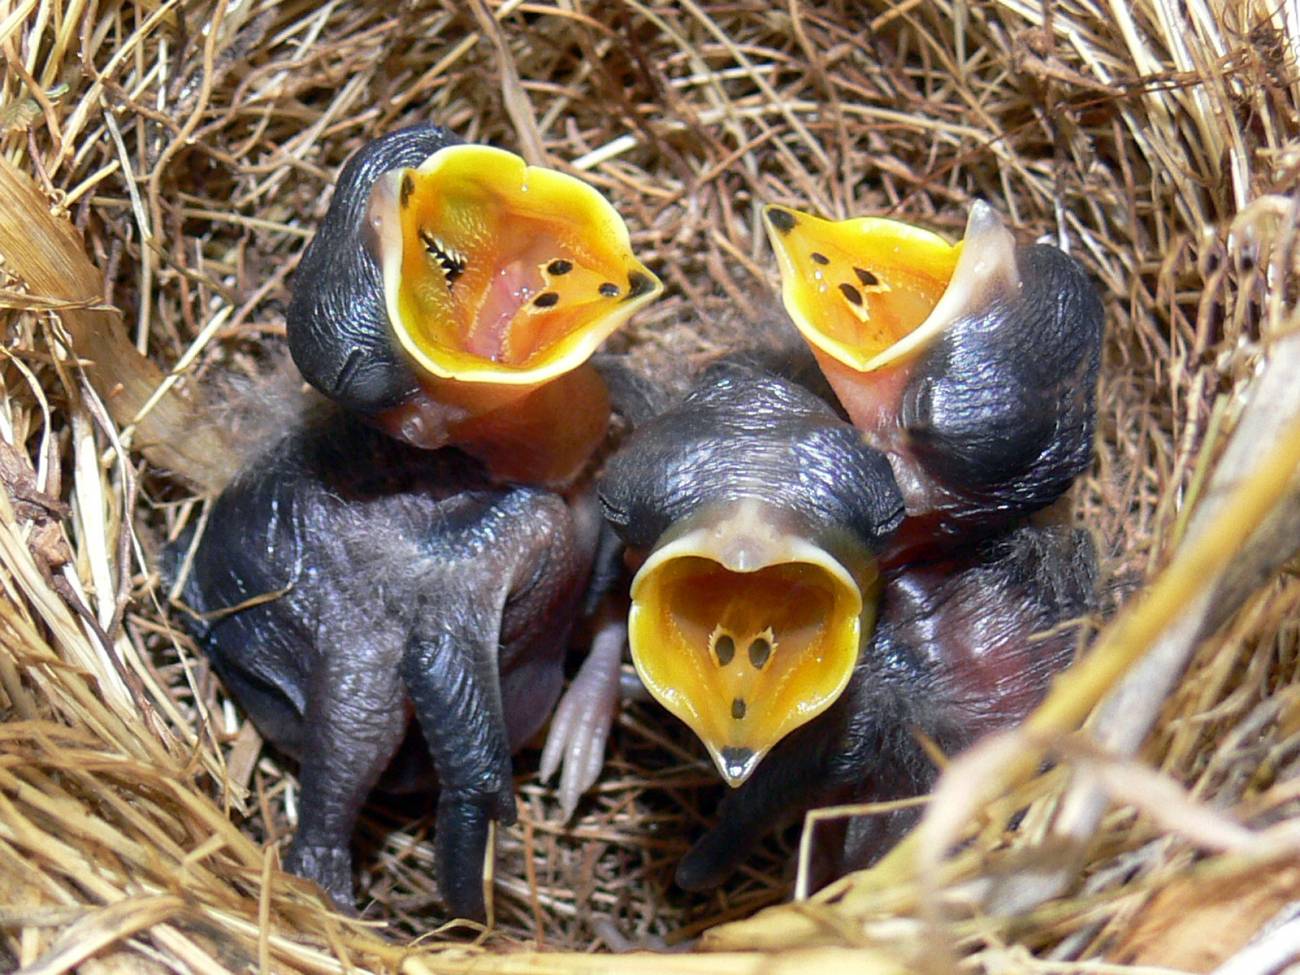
<point>329,867</point>
<point>575,745</point>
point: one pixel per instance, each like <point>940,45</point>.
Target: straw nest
<point>163,163</point>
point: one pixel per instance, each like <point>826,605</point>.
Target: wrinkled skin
<point>748,476</point>
<point>337,322</point>
<point>994,420</point>
<point>951,658</point>
<point>411,587</point>
<point>1001,406</point>
<point>744,432</point>
<point>974,370</point>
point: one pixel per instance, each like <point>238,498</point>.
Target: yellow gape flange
<point>499,272</point>
<point>500,280</point>
<point>745,630</point>
<point>868,293</point>
<point>857,288</point>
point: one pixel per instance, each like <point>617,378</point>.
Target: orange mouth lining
<point>771,616</point>
<point>745,651</point>
<point>858,288</point>
<point>499,272</point>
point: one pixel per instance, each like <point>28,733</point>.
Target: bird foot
<point>583,719</point>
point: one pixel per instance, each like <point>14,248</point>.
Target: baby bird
<point>352,591</point>
<point>962,646</point>
<point>761,512</point>
<point>363,572</point>
<point>973,366</point>
<point>454,294</point>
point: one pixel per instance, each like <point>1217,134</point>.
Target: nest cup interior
<point>495,271</point>
<point>173,159</point>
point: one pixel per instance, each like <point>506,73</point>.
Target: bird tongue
<point>511,287</point>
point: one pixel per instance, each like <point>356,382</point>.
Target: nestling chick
<point>973,366</point>
<point>451,296</point>
<point>403,584</point>
<point>454,294</point>
<point>962,647</point>
<point>762,512</point>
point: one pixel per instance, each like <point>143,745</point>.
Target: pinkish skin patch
<point>871,399</point>
<point>420,421</point>
<point>509,291</point>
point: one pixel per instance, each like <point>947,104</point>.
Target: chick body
<point>762,512</point>
<point>962,647</point>
<point>352,589</point>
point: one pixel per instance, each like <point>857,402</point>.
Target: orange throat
<point>543,435</point>
<point>500,281</point>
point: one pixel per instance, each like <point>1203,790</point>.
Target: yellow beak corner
<point>867,292</point>
<point>499,272</point>
<point>746,630</point>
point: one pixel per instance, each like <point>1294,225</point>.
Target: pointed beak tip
<point>737,765</point>
<point>643,284</point>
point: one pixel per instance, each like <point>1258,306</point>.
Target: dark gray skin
<point>999,411</point>
<point>415,588</point>
<point>743,432</point>
<point>951,658</point>
<point>338,329</point>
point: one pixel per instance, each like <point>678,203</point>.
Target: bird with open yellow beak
<point>762,513</point>
<point>454,295</point>
<point>963,646</point>
<point>972,365</point>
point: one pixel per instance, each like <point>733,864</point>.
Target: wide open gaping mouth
<point>746,631</point>
<point>867,292</point>
<point>499,272</point>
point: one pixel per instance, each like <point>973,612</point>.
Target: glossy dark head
<point>744,433</point>
<point>764,512</point>
<point>973,365</point>
<point>338,327</point>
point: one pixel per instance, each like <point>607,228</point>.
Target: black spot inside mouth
<point>638,284</point>
<point>738,708</point>
<point>608,290</point>
<point>820,258</point>
<point>867,279</point>
<point>853,295</point>
<point>452,266</point>
<point>759,651</point>
<point>782,220</point>
<point>408,187</point>
<point>725,648</point>
<point>547,299</point>
<point>559,266</point>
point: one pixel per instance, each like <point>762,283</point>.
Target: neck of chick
<point>542,434</point>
